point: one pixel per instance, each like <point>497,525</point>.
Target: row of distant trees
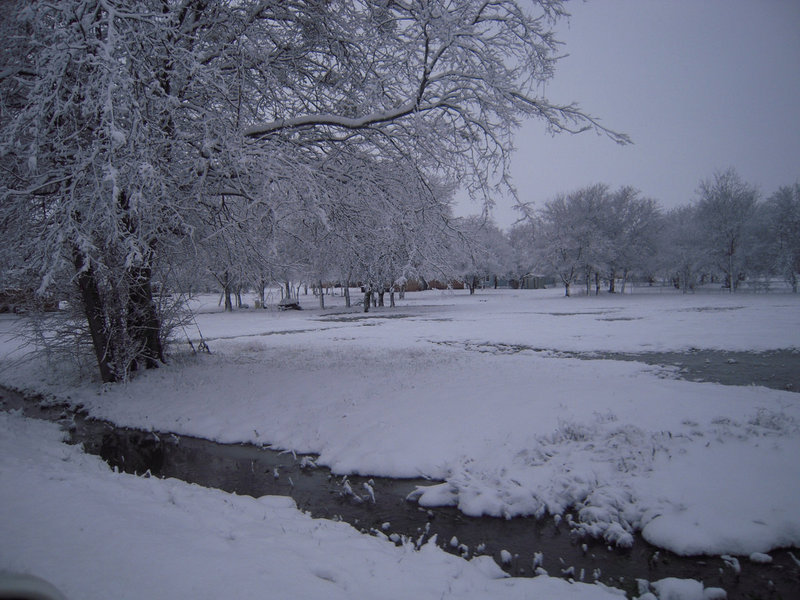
<point>598,236</point>
<point>595,237</point>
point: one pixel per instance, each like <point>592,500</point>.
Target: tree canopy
<point>137,135</point>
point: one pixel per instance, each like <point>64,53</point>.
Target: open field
<point>485,394</point>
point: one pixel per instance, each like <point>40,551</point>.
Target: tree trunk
<point>140,337</point>
<point>261,297</point>
<point>367,299</point>
<point>347,295</point>
<point>321,296</point>
<point>380,298</point>
<point>566,288</point>
<point>391,299</point>
<point>93,308</point>
<point>730,271</point>
<point>597,284</point>
<point>144,326</point>
<point>226,291</point>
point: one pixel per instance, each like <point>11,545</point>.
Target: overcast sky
<point>700,86</point>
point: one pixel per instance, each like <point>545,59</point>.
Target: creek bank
<point>379,506</point>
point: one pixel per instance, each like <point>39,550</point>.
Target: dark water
<point>776,369</point>
<point>379,506</point>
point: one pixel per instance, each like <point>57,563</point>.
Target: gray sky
<point>700,86</point>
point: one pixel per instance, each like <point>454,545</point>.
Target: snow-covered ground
<point>447,386</point>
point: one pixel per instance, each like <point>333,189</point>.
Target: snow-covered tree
<point>571,241</point>
<point>680,246</point>
<point>123,122</point>
<point>726,209</point>
<point>483,252</point>
<point>780,234</point>
<point>629,225</point>
<point>524,258</point>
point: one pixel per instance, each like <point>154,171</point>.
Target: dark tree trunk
<point>473,283</point>
<point>597,284</point>
<point>347,295</point>
<point>321,296</point>
<point>141,337</point>
<point>144,326</point>
<point>261,298</point>
<point>367,299</point>
<point>391,299</point>
<point>93,308</point>
<point>380,298</point>
<point>226,292</point>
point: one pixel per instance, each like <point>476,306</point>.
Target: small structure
<point>536,282</point>
<point>289,304</point>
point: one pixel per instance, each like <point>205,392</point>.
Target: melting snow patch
<point>673,588</point>
<point>732,563</point>
<point>760,557</point>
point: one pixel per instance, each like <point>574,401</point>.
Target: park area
<point>651,419</point>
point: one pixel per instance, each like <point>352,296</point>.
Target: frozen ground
<point>439,387</point>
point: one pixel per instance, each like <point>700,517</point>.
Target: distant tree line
<point>596,235</point>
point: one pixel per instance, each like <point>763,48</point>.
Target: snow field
<point>446,386</point>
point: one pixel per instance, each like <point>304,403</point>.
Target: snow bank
<point>95,534</point>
